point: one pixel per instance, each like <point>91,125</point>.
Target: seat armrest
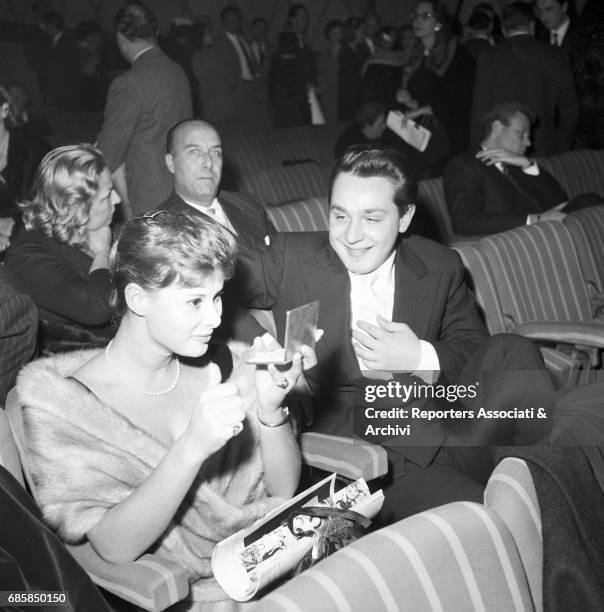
<point>349,458</point>
<point>585,335</point>
<point>151,582</point>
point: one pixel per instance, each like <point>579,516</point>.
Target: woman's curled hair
<point>66,182</point>
<point>165,247</point>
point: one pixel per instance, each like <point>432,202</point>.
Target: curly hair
<point>66,182</point>
<point>136,22</point>
<point>164,247</point>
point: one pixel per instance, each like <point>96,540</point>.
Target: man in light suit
<point>194,158</point>
<point>142,104</point>
<point>395,304</point>
<point>532,73</point>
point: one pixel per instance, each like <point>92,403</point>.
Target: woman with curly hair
<point>61,256</point>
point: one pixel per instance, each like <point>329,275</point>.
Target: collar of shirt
<point>57,38</point>
<point>141,52</point>
<point>561,31</point>
<point>215,211</point>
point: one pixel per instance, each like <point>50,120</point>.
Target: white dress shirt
<point>560,33</point>
<point>243,55</point>
<point>215,210</point>
<point>372,294</point>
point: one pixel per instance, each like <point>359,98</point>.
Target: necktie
<point>555,39</point>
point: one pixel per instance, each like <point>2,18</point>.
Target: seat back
<point>459,556</point>
<point>578,171</point>
<point>511,494</point>
<point>276,186</point>
<point>431,196</point>
<point>310,215</point>
<point>537,274</point>
<point>587,230</point>
<point>564,368</point>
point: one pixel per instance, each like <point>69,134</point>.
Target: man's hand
<point>490,157</point>
<point>391,346</point>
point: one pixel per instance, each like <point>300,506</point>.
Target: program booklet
<point>251,559</point>
<point>411,132</point>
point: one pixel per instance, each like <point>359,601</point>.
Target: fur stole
<point>85,457</point>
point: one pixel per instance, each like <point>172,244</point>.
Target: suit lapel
<point>326,279</point>
<point>244,223</point>
<point>414,292</point>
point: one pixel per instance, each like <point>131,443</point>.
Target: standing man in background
<point>142,104</point>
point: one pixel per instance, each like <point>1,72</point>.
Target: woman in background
<point>61,256</point>
<point>440,84</point>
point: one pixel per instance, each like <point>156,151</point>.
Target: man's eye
<point>216,153</point>
<point>195,302</point>
<point>372,220</point>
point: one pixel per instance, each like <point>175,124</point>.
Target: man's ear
<point>406,219</point>
<point>137,299</point>
<point>169,159</point>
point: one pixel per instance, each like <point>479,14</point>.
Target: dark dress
<point>73,302</point>
<point>449,94</point>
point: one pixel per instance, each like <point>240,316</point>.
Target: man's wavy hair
<point>369,160</point>
<point>66,182</point>
<point>163,247</point>
<point>136,22</point>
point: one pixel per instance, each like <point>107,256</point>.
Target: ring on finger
<point>283,384</point>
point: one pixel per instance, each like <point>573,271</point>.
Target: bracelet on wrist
<point>284,419</point>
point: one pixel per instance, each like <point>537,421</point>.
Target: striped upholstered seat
<point>578,171</point>
<point>310,215</point>
<point>458,557</point>
<point>587,229</point>
<point>540,286</point>
<point>564,367</point>
<point>511,494</point>
<point>276,186</point>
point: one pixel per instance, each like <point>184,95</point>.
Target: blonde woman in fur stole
<point>162,442</point>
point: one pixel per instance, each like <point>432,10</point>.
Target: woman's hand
<point>99,241</point>
<point>274,383</point>
<point>217,418</point>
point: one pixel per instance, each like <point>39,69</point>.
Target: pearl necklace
<point>127,384</point>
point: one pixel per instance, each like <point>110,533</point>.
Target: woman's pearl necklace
<point>127,384</point>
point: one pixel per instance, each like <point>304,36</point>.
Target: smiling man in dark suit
<point>194,158</point>
<point>397,304</point>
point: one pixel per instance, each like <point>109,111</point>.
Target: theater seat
<point>458,557</point>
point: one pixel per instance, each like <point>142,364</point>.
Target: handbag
<point>332,529</point>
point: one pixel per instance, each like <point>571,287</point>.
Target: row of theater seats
<point>546,282</point>
<point>281,166</point>
<point>461,556</point>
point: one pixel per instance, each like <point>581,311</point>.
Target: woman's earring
<point>437,28</point>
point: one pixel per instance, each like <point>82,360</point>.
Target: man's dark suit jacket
<point>571,40</point>
<point>249,219</point>
<point>430,296</point>
<point>482,200</point>
<point>475,46</point>
<point>536,74</point>
<point>143,103</point>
